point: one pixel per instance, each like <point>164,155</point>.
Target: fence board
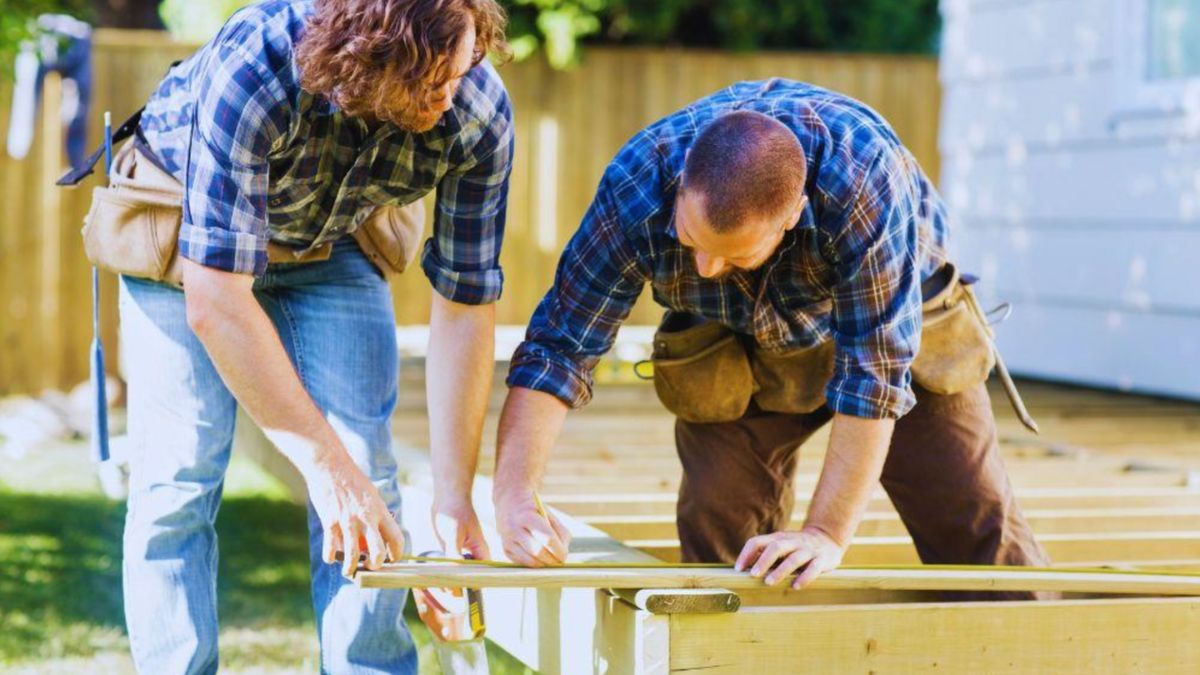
<point>568,125</point>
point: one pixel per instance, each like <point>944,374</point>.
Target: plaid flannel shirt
<point>850,271</point>
<point>261,159</point>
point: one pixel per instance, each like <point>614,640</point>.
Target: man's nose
<point>709,266</point>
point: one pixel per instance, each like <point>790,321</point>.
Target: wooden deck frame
<point>1095,510</point>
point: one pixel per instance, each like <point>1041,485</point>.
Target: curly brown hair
<point>387,58</point>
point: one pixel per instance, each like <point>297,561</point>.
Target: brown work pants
<point>943,473</point>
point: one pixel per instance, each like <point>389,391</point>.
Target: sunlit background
<point>1065,136</point>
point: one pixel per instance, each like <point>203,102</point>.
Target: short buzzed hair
<point>745,163</point>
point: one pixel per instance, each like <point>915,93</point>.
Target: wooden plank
<point>1081,636</point>
<point>559,630</point>
<point>1035,498</point>
<point>427,575</point>
<point>630,640</point>
<point>681,600</point>
<point>1137,548</point>
<point>1055,37</point>
<point>888,523</point>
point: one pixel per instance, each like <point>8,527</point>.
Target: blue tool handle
<point>99,388</point>
<point>100,422</point>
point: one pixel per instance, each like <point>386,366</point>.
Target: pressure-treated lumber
<point>597,503</point>
<point>681,600</point>
<point>1086,636</point>
<point>888,523</point>
<point>420,575</point>
<point>1139,548</point>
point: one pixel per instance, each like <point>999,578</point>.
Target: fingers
<point>377,550</point>
<point>776,549</point>
<point>393,538</point>
<point>789,565</point>
<point>331,543</point>
<point>350,534</point>
<point>476,546</point>
<point>750,551</point>
<point>563,534</point>
<point>816,568</point>
<point>543,542</point>
<point>534,542</point>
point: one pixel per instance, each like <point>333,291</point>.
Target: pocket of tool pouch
<point>714,384</point>
<point>792,381</point>
<point>956,352</point>
<point>131,235</point>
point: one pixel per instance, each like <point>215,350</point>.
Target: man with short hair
<point>796,245</point>
<point>296,124</point>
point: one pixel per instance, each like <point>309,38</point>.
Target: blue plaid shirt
<point>269,160</point>
<point>850,271</point>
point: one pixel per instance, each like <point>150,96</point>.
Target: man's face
<point>439,98</point>
<point>718,254</point>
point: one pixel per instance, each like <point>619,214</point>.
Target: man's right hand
<point>529,539</point>
<point>352,514</point>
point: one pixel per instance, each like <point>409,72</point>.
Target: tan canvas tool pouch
<point>792,381</point>
<point>956,347</point>
<point>132,227</point>
<point>704,373</point>
<point>391,236</point>
<point>701,372</point>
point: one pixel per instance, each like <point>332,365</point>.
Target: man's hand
<point>530,539</point>
<point>354,517</point>
<point>458,518</point>
<point>809,547</point>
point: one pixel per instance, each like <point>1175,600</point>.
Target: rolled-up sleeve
<point>462,259</point>
<point>239,112</point>
<point>876,316</point>
<point>599,278</point>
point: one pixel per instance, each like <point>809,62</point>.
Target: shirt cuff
<point>537,368</point>
<point>238,252</point>
<point>869,398</point>
<point>471,287</point>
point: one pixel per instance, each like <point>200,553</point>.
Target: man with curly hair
<point>297,123</point>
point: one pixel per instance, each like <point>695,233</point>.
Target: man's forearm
<point>246,350</point>
<point>853,464</point>
<point>458,376</point>
<point>529,426</point>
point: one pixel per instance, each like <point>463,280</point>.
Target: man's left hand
<point>787,552</point>
<point>458,520</point>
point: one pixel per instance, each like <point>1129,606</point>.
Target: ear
<point>797,212</point>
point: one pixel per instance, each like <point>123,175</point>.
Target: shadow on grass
<point>60,571</point>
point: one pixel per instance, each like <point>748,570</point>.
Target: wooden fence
<point>568,126</point>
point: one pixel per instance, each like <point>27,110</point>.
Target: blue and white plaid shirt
<point>850,271</point>
<point>271,161</point>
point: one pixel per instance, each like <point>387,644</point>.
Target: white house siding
<point>1083,214</point>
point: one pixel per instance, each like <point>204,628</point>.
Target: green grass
<point>60,574</point>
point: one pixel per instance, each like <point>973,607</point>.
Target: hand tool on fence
<point>99,385</point>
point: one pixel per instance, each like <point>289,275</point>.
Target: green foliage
<point>846,25</point>
<point>16,23</point>
<point>192,21</point>
<point>558,27</point>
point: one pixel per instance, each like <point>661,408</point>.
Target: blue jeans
<point>335,321</point>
